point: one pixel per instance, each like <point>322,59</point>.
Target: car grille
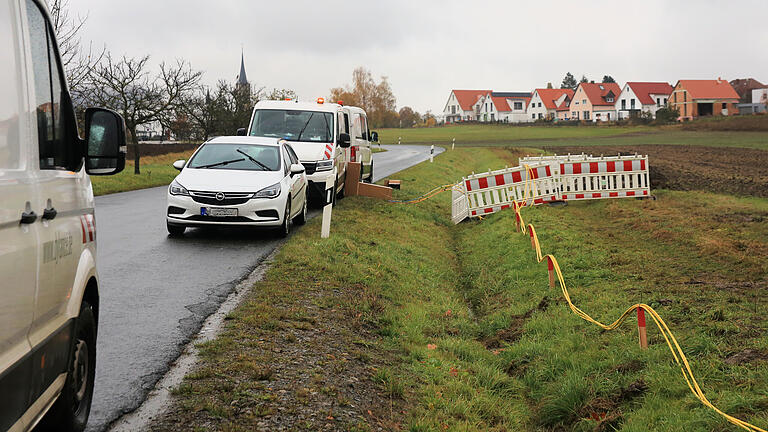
<point>230,198</point>
<point>309,167</point>
<point>218,218</point>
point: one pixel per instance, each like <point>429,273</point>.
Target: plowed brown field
<point>737,171</point>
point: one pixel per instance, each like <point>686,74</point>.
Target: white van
<point>315,131</point>
<point>356,125</point>
<point>49,291</point>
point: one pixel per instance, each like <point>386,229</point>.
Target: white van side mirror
<point>179,164</point>
<point>104,141</point>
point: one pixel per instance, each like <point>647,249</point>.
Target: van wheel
<point>175,230</point>
<point>285,228</point>
<point>301,218</point>
<point>70,412</point>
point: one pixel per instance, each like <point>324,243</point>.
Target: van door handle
<point>49,213</point>
<point>28,217</point>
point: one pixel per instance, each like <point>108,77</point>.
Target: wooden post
<point>530,231</point>
<point>551,269</point>
<point>641,328</point>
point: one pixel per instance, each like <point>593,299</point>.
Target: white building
<point>544,103</point>
<point>460,105</point>
<point>506,107</point>
<point>642,97</point>
<point>760,96</point>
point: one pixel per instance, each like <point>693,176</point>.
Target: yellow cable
<point>669,337</point>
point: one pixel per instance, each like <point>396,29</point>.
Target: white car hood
<point>310,152</point>
<point>224,180</point>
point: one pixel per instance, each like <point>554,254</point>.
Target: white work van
<point>356,125</point>
<point>316,133</point>
<point>49,291</point>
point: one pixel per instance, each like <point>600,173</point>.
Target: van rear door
<point>18,230</point>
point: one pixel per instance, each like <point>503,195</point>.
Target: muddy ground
<point>738,171</point>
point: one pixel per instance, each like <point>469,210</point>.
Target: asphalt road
<point>156,291</point>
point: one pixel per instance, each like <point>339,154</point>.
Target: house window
<point>665,101</point>
<point>518,105</point>
<point>632,103</point>
<point>610,99</point>
<point>576,103</point>
<point>584,101</point>
<point>658,102</point>
<point>623,104</point>
<point>586,115</point>
<point>539,104</point>
<point>540,116</point>
<point>609,116</point>
<point>453,109</point>
<point>533,116</point>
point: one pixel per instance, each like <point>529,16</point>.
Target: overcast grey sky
<point>427,48</point>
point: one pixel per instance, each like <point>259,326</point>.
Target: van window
<point>357,119</point>
<point>364,126</point>
<point>48,86</point>
<point>9,89</point>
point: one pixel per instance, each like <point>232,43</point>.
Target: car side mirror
<point>179,164</point>
<point>344,140</point>
<point>105,142</point>
<point>374,136</point>
<point>297,168</point>
<point>241,131</point>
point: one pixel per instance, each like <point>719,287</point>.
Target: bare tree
<point>126,86</point>
<point>77,62</point>
<point>376,99</point>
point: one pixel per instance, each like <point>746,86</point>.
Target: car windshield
<point>246,157</point>
<point>293,125</point>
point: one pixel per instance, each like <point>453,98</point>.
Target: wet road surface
<point>156,291</point>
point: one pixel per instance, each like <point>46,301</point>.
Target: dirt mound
<point>738,171</point>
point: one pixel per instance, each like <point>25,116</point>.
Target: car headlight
<point>324,165</point>
<point>177,189</point>
<point>268,192</point>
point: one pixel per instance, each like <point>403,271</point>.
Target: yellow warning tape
<point>670,339</point>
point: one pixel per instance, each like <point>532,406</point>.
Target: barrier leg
<point>641,328</point>
<point>325,230</point>
<point>551,269</point>
<point>533,244</point>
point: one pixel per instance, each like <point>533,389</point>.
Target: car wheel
<point>70,411</point>
<point>175,230</point>
<point>285,228</point>
<point>301,218</point>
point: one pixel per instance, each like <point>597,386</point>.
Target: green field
<point>155,171</point>
<point>535,136</point>
<point>458,330</point>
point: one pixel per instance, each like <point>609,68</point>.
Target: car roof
<point>239,139</point>
<point>297,105</point>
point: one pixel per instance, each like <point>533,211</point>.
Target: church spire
<point>241,79</point>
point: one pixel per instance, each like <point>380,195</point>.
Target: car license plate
<point>218,212</point>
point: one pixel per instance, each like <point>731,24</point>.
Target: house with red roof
<point>595,102</point>
<point>642,97</point>
<point>699,98</point>
<point>506,107</point>
<point>461,105</point>
<point>544,103</point>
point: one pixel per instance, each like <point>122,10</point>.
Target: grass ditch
<point>155,171</point>
<point>442,327</point>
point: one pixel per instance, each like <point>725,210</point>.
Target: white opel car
<point>238,181</point>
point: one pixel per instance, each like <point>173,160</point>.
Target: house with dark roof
<point>506,107</point>
<point>642,97</point>
<point>545,101</point>
<point>595,102</point>
<point>461,105</point>
<point>699,98</point>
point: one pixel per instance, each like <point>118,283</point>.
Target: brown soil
<point>738,171</point>
<point>746,356</point>
<point>515,329</point>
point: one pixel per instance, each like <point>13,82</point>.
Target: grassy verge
<point>155,171</point>
<point>539,136</point>
<point>454,327</point>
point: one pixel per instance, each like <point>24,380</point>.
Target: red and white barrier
<point>496,190</point>
<point>552,178</point>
